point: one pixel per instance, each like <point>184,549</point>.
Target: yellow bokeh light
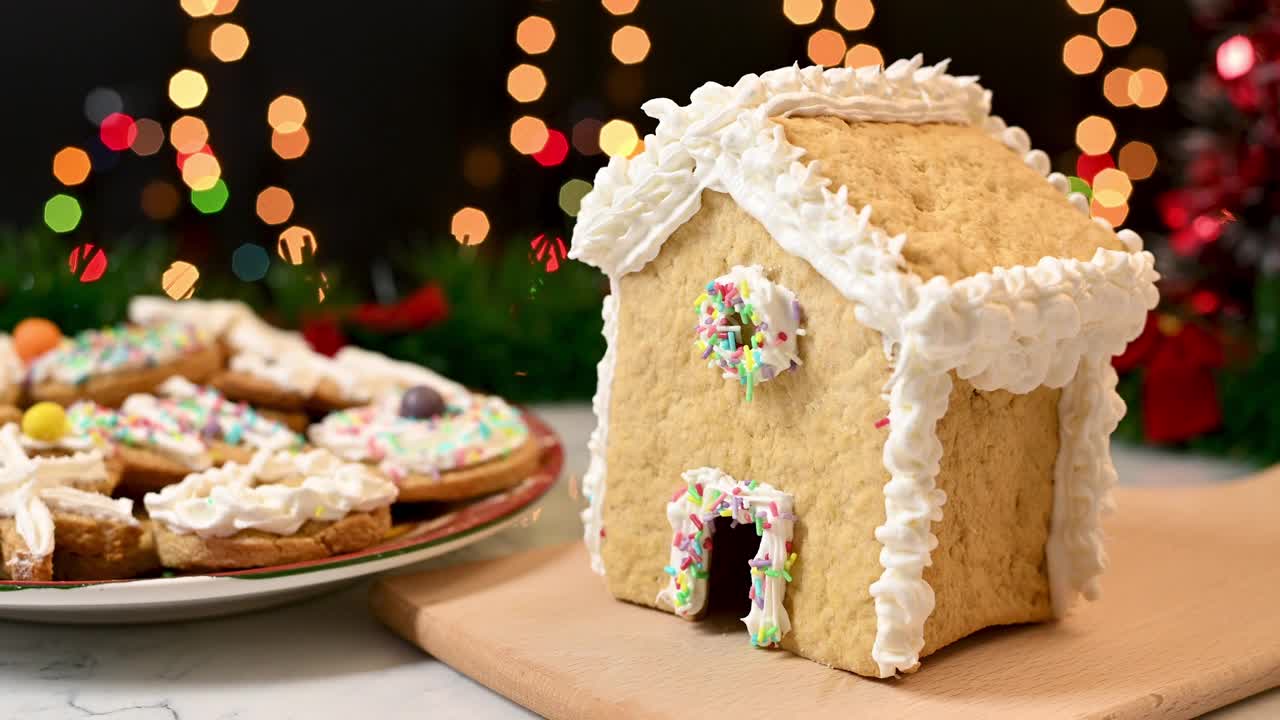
<point>639,148</point>
<point>286,114</point>
<point>1137,160</point>
<point>1115,87</point>
<point>198,8</point>
<point>1095,135</point>
<point>854,14</point>
<point>1111,188</point>
<point>526,83</point>
<point>1085,7</point>
<point>1116,27</point>
<point>528,135</point>
<point>274,205</point>
<point>160,200</point>
<point>188,134</point>
<point>229,42</point>
<point>201,171</point>
<point>1147,88</point>
<point>863,55</point>
<point>802,12</point>
<point>1081,54</point>
<point>150,137</point>
<point>179,281</point>
<point>187,89</point>
<point>482,166</point>
<point>225,7</point>
<point>826,47</point>
<point>470,226</point>
<point>71,166</point>
<point>535,35</point>
<point>618,138</point>
<point>1113,215</point>
<point>290,145</point>
<point>630,44</point>
<point>619,7</point>
<point>297,245</point>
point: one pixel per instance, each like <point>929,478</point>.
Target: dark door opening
<point>729,587</point>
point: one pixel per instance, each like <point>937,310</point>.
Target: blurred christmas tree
<point>1203,372</point>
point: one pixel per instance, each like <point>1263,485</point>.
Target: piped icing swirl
<point>276,493</point>
<point>486,430</point>
<point>118,349</point>
<point>381,376</point>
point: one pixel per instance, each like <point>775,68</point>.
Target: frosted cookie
<point>232,323</point>
<point>290,380</point>
<point>282,507</point>
<point>46,431</point>
<point>11,372</point>
<point>380,376</point>
<point>184,429</point>
<point>45,509</point>
<point>107,366</point>
<point>431,449</point>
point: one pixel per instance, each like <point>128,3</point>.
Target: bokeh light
<point>149,137</point>
<point>71,166</point>
<point>470,226</point>
<point>554,151</point>
<point>1114,215</point>
<point>630,44</point>
<point>526,83</point>
<point>482,166</point>
<point>618,138</point>
<point>225,7</point>
<point>101,102</point>
<point>802,12</point>
<point>620,7</point>
<point>229,42</point>
<point>199,8</point>
<point>118,131</point>
<point>863,55</point>
<point>160,200</point>
<point>571,194</point>
<point>1111,188</point>
<point>211,199</point>
<point>528,135</point>
<point>1085,7</point>
<point>180,158</point>
<point>286,114</point>
<point>1137,160</point>
<point>201,171</point>
<point>826,47</point>
<point>250,262</point>
<point>188,134</point>
<point>1115,87</point>
<point>1095,135</point>
<point>854,14</point>
<point>62,213</point>
<point>290,145</point>
<point>1087,166</point>
<point>274,205</point>
<point>586,136</point>
<point>88,262</point>
<point>1081,54</point>
<point>179,281</point>
<point>187,89</point>
<point>1116,27</point>
<point>535,35</point>
<point>1147,88</point>
<point>297,245</point>
<point>1235,57</point>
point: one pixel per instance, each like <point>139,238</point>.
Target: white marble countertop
<point>328,657</point>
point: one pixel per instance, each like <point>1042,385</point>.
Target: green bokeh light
<point>62,213</point>
<point>571,194</point>
<point>212,200</point>
<point>1081,186</point>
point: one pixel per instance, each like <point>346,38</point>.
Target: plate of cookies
<point>197,461</point>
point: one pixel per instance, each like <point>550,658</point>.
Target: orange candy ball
<point>34,337</point>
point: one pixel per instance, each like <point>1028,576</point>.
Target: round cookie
<point>44,431</point>
<point>107,366</point>
<point>467,451</point>
<point>292,381</point>
<point>282,507</point>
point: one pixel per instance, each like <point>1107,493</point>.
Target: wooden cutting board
<point>1189,621</point>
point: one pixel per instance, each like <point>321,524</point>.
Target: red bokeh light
<point>1088,166</point>
<point>555,151</point>
<point>1235,57</point>
<point>118,131</point>
<point>88,261</point>
<point>1205,302</point>
<point>182,157</point>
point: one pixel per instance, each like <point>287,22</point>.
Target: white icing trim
<point>299,370</point>
<point>736,355</point>
<point>593,481</point>
<point>1012,328</point>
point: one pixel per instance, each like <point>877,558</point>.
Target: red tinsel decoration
<point>424,307</point>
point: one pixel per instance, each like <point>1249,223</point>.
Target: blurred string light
<point>250,262</point>
<point>620,7</point>
<point>1095,135</point>
<point>296,245</point>
<point>1115,87</point>
<point>554,150</point>
<point>630,44</point>
<point>71,166</point>
<point>149,137</point>
<point>470,226</point>
<point>286,114</point>
<point>1081,54</point>
<point>62,213</point>
<point>552,250</point>
<point>201,171</point>
<point>1085,7</point>
<point>187,89</point>
<point>274,205</point>
<point>211,199</point>
<point>854,14</point>
<point>101,102</point>
<point>88,262</point>
<point>1111,188</point>
<point>224,7</point>
<point>526,83</point>
<point>159,200</point>
<point>1138,160</point>
<point>181,158</point>
<point>199,8</point>
<point>802,12</point>
<point>117,131</point>
<point>179,281</point>
<point>1235,57</point>
<point>863,55</point>
<point>535,35</point>
<point>826,47</point>
<point>188,134</point>
<point>571,194</point>
<point>586,136</point>
<point>1147,87</point>
<point>482,166</point>
<point>229,42</point>
<point>290,145</point>
<point>528,135</point>
<point>1116,27</point>
<point>618,138</point>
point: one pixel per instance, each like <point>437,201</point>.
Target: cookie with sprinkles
<point>291,380</point>
<point>434,449</point>
<point>107,366</point>
<point>44,431</point>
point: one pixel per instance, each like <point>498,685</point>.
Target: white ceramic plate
<point>196,596</point>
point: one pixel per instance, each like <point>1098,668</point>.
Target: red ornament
<point>118,131</point>
<point>1179,392</point>
<point>88,261</point>
<point>324,334</point>
<point>426,306</point>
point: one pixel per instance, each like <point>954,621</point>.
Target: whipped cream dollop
<point>277,493</point>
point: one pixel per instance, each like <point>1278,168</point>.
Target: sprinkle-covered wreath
<point>748,327</point>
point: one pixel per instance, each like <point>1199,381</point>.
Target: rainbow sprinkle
<point>123,347</point>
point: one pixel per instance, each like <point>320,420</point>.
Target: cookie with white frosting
<point>290,380</point>
<point>281,507</point>
<point>11,373</point>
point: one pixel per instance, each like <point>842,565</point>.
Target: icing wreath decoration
<point>748,327</point>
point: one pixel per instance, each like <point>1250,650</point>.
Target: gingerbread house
<point>855,317</point>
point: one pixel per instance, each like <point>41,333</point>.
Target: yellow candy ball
<point>46,422</point>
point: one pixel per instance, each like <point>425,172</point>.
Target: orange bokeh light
<point>1113,215</point>
<point>1111,188</point>
<point>863,55</point>
<point>1137,159</point>
<point>470,226</point>
<point>229,42</point>
<point>802,12</point>
<point>630,44</point>
<point>225,7</point>
<point>187,89</point>
<point>1085,7</point>
<point>854,14</point>
<point>179,281</point>
<point>1081,54</point>
<point>528,135</point>
<point>274,205</point>
<point>290,145</point>
<point>526,83</point>
<point>826,47</point>
<point>71,166</point>
<point>482,166</point>
<point>1147,88</point>
<point>201,171</point>
<point>198,8</point>
<point>619,7</point>
<point>535,35</point>
<point>1095,135</point>
<point>297,245</point>
<point>1115,87</point>
<point>160,200</point>
<point>1116,27</point>
<point>188,134</point>
<point>286,114</point>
